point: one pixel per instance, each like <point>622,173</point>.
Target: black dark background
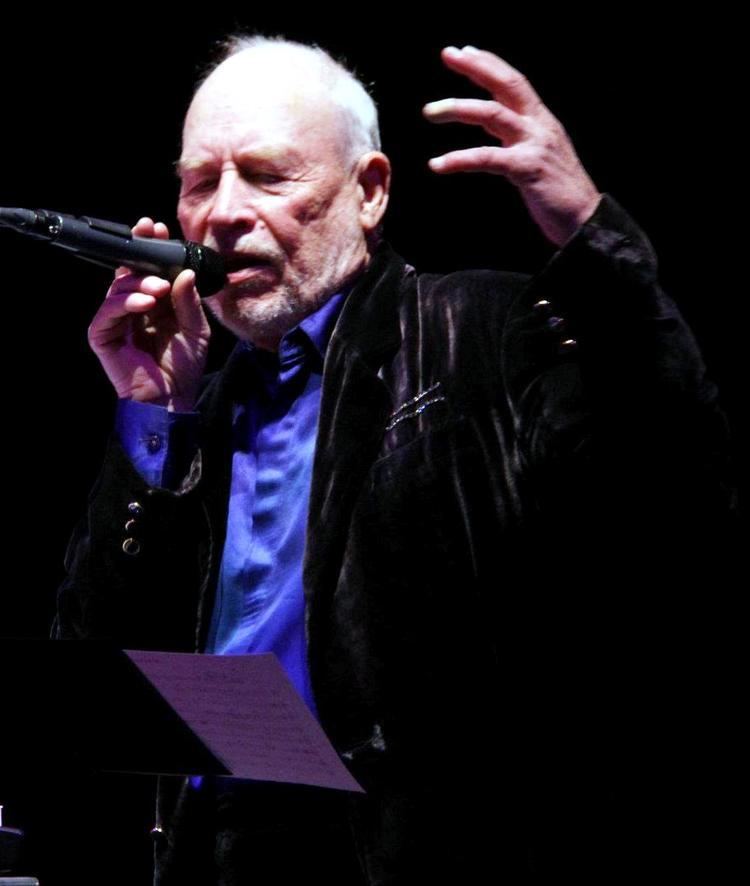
<point>91,118</point>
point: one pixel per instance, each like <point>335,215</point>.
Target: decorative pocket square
<point>416,406</point>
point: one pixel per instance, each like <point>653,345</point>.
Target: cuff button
<point>132,547</point>
<point>567,346</point>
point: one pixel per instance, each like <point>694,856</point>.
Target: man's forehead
<point>235,110</point>
<point>287,131</point>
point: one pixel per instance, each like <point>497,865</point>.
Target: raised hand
<point>151,336</point>
<point>534,153</point>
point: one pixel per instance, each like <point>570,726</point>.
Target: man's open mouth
<point>240,262</point>
<point>241,267</point>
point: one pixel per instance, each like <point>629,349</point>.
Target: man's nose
<point>232,204</point>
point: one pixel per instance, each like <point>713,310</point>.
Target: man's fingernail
<point>452,50</point>
<point>436,163</point>
<point>470,50</point>
<point>443,104</point>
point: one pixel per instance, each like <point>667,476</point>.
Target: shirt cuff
<point>159,443</point>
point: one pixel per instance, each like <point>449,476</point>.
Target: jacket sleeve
<point>137,561</point>
<point>605,379</point>
<point>628,558</point>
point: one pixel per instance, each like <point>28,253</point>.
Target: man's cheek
<point>187,225</point>
<point>312,210</point>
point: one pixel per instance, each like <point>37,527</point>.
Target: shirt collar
<point>305,344</point>
<point>315,329</point>
<point>318,326</point>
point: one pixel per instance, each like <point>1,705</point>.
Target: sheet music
<point>246,711</point>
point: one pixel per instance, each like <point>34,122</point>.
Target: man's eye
<point>198,186</point>
<point>265,178</point>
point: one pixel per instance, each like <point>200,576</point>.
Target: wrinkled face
<point>266,181</point>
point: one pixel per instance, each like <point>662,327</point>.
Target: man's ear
<point>374,181</point>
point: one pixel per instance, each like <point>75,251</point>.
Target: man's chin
<point>255,315</point>
<point>237,298</point>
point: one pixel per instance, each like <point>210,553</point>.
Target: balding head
<point>278,178</point>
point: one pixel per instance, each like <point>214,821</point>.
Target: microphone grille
<point>210,273</point>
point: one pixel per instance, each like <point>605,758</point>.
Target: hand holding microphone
<point>151,336</point>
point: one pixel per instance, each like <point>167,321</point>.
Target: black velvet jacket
<point>499,459</point>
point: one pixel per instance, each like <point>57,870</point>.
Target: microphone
<point>110,244</point>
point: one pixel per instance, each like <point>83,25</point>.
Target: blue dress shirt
<point>259,599</point>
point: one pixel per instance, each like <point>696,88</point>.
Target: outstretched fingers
<point>501,80</point>
<point>489,159</point>
<point>493,117</point>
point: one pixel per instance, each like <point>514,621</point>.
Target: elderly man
<point>404,485</point>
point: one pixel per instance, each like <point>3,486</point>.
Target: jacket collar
<point>369,325</point>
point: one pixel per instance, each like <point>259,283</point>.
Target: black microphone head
<point>210,273</point>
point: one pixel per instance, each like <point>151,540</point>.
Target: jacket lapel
<point>355,405</point>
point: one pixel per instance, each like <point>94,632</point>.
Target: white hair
<point>359,113</point>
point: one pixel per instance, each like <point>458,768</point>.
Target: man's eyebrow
<point>179,165</point>
<point>275,154</point>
